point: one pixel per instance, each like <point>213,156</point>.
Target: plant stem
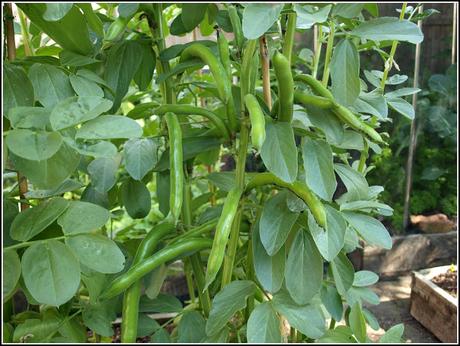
<point>327,60</point>
<point>289,36</point>
<point>363,157</point>
<point>29,243</point>
<point>249,276</point>
<point>11,48</point>
<point>332,324</point>
<point>265,72</point>
<point>389,62</point>
<point>25,34</point>
<point>318,46</point>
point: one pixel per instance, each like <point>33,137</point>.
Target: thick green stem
<point>318,45</point>
<point>389,62</point>
<point>25,34</point>
<point>363,157</point>
<point>289,36</point>
<point>327,60</point>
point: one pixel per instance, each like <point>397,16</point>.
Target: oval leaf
<point>263,325</point>
<point>108,127</point>
<point>389,28</point>
<point>33,145</point>
<point>304,269</point>
<point>140,155</point>
<point>136,198</point>
<point>258,18</point>
<point>51,272</point>
<point>32,221</point>
<point>11,273</point>
<point>97,252</point>
<point>83,217</point>
<point>372,230</point>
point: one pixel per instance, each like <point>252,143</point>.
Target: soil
<point>447,281</point>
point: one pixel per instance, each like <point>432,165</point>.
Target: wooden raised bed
<point>432,306</point>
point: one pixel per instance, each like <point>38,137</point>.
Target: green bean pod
<point>315,85</point>
<point>257,121</point>
<point>197,50</point>
<point>285,87</point>
<point>346,116</point>
<point>176,191</point>
<point>138,271</point>
<point>223,229</point>
<point>180,109</point>
<point>224,53</point>
<point>236,25</point>
<point>298,188</point>
<point>247,66</point>
<point>130,310</point>
<point>317,101</point>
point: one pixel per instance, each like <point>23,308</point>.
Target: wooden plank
<point>411,252</point>
<point>434,308</point>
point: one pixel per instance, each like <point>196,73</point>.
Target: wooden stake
<point>413,133</point>
<point>11,48</point>
<point>265,71</point>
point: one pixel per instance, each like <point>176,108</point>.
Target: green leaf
<point>94,22</point>
<point>347,10</point>
<point>51,84</point>
<point>191,327</point>
<point>90,75</point>
<point>354,181</point>
<point>367,207</point>
<point>140,155</point>
<point>276,222</point>
<point>100,149</point>
<point>226,303</point>
<point>371,319</point>
<point>97,252</point>
<point>103,172</point>
<point>95,282</point>
<point>83,217</point>
<point>343,273</point>
<point>308,319</point>
<point>331,240</point>
<point>332,301</point>
<point>402,107</point>
<point>269,269</point>
<point>372,230</point>
<point>127,10</point>
<point>51,272</point>
<point>359,294</point>
<point>33,145</point>
<point>372,103</point>
<point>29,117</point>
<point>35,331</point>
<point>155,280</point>
<point>192,15</point>
<point>69,58</point>
<point>258,18</point>
<point>33,221</point>
<point>77,39</point>
<point>389,28</point>
<point>304,268</point>
<point>123,60</point>
<point>352,140</point>
<point>319,167</point>
<point>341,334</point>
<point>85,87</point>
<point>17,88</point>
<point>77,109</point>
<point>365,278</point>
<point>279,152</point>
<point>108,127</point>
<point>136,198</point>
<point>66,186</point>
<point>50,173</point>
<point>146,325</point>
<point>345,72</point>
<point>307,16</point>
<point>357,322</point>
<point>263,325</point>
<point>55,12</point>
<point>402,92</point>
<point>11,273</point>
<point>327,122</point>
<point>393,335</point>
<point>98,317</point>
<point>144,73</point>
<point>162,303</point>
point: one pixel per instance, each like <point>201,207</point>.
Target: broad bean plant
<point>126,157</point>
